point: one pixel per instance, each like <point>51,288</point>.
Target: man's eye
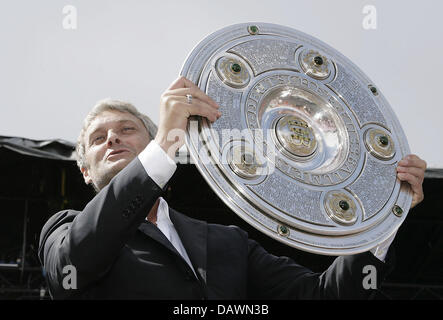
<point>98,139</point>
<point>128,128</point>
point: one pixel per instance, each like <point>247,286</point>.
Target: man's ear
<point>86,175</point>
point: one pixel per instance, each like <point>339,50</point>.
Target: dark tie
<point>152,216</point>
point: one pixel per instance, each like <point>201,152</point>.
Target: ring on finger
<point>189,98</point>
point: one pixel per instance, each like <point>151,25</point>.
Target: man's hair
<point>106,105</point>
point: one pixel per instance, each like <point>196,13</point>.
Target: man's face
<point>112,140</point>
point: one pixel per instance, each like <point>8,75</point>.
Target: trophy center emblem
<point>295,136</point>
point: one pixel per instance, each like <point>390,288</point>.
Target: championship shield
<point>306,148</point>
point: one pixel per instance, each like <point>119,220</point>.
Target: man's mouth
<point>116,153</point>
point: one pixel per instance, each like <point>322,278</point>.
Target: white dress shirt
<point>160,167</point>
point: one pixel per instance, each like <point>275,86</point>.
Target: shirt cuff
<point>382,249</point>
<point>158,165</point>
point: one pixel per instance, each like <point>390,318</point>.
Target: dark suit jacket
<point>118,255</point>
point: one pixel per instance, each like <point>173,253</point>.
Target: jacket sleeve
<point>271,277</point>
<point>91,240</point>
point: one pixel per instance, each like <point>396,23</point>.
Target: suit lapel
<point>155,233</point>
<point>193,234</point>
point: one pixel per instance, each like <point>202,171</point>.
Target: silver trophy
<point>306,148</point>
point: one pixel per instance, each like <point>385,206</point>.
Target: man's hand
<point>412,170</point>
<point>175,111</point>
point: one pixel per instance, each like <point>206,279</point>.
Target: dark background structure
<point>40,178</point>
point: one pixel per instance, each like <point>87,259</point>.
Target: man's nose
<point>113,138</point>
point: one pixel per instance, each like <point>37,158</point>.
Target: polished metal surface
<point>307,146</point>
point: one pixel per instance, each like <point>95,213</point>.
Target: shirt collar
<point>164,223</point>
<point>163,211</point>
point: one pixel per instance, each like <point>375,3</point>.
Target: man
<point>127,243</point>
